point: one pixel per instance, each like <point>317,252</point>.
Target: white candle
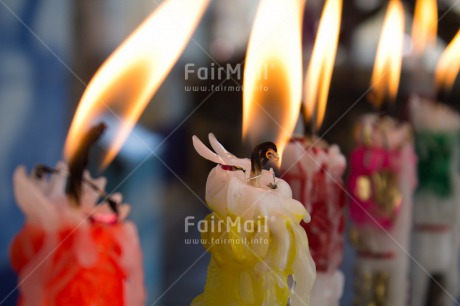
<point>436,238</point>
<point>382,181</point>
<point>254,271</point>
<point>74,256</point>
<point>315,176</point>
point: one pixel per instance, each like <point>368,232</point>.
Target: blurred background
<point>49,50</point>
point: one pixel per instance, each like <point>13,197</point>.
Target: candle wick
<point>79,161</point>
<point>261,155</point>
<point>42,170</point>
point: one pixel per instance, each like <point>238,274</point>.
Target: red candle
<point>74,256</point>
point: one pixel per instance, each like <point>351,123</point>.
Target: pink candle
<point>381,182</point>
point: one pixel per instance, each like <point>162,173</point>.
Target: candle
<point>253,264</point>
<point>314,170</point>
<point>72,251</point>
<point>436,238</point>
<point>315,176</point>
<point>382,180</point>
<point>436,209</point>
<point>66,256</point>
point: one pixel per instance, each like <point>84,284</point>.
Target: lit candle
<point>72,251</point>
<point>271,264</point>
<point>436,238</point>
<point>260,243</point>
<point>382,179</point>
<point>314,169</point>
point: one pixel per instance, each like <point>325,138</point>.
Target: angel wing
<point>221,155</point>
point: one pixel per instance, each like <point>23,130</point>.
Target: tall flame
<point>273,73</point>
<point>128,79</point>
<point>387,67</point>
<point>319,72</point>
<point>448,65</point>
<point>425,25</point>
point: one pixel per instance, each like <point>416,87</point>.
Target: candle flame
<point>319,74</point>
<point>387,67</point>
<point>127,80</point>
<point>273,73</point>
<point>425,26</point>
<point>448,65</point>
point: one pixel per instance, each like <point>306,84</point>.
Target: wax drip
<point>261,155</point>
<point>79,161</point>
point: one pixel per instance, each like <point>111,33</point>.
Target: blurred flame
<point>319,72</point>
<point>448,65</point>
<point>273,73</point>
<point>387,67</point>
<point>128,79</point>
<point>425,26</point>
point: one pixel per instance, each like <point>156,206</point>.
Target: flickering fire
<point>125,83</point>
<point>388,61</point>
<point>448,65</point>
<point>273,73</point>
<point>319,72</point>
<point>425,25</point>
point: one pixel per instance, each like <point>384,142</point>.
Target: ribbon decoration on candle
<point>436,237</point>
<point>253,266</point>
<point>382,180</point>
<point>87,253</point>
<point>314,169</point>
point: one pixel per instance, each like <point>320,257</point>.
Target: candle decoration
<point>268,263</point>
